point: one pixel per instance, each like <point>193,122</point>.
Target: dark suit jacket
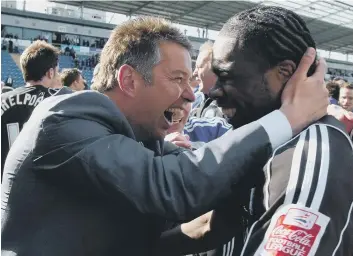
<point>76,181</point>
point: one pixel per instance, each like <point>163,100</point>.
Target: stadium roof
<point>330,22</point>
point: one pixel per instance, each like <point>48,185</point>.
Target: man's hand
<point>305,99</point>
<point>346,117</point>
<point>198,227</point>
<point>179,139</point>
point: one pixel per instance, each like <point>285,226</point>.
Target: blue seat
<point>10,69</point>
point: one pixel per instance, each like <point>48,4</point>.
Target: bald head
<point>203,68</point>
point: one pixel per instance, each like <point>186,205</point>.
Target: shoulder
<point>326,131</point>
<point>18,91</point>
<point>82,107</point>
<point>322,146</point>
<point>68,100</point>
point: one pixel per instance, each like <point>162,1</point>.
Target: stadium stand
<point>10,69</point>
<point>65,62</point>
<point>68,62</point>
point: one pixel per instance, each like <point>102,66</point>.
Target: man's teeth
<point>177,114</point>
<point>229,112</point>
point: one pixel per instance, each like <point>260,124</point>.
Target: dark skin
<point>247,83</point>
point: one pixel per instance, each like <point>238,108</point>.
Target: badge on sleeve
<point>294,230</point>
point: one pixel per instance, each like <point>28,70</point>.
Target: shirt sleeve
<point>277,127</point>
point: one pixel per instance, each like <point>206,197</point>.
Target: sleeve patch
<point>294,230</point>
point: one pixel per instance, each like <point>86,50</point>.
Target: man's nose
<point>188,94</point>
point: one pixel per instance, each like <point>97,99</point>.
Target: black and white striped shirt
<point>306,199</point>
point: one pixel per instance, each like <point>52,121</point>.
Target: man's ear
<point>126,80</point>
<point>51,73</point>
<point>75,83</point>
<point>286,69</point>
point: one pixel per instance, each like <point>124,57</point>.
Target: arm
<point>312,215</point>
<point>210,231</point>
<point>154,184</point>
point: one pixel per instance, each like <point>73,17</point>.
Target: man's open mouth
<point>174,115</point>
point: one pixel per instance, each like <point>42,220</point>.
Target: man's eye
<point>179,80</point>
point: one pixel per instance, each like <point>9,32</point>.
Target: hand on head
<point>305,99</point>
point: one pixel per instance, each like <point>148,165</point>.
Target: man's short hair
<point>272,33</point>
<point>95,72</point>
<point>340,81</point>
<point>69,75</point>
<point>37,59</point>
<point>135,42</point>
<point>333,89</point>
<point>347,86</point>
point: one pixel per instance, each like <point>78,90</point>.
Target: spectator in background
<point>76,62</point>
<point>334,90</point>
<point>346,97</point>
<point>72,77</point>
<point>194,132</point>
<point>67,50</point>
<point>39,66</point>
<point>10,46</point>
<point>203,70</point>
<point>5,88</point>
<point>4,44</point>
<point>16,46</point>
<point>340,81</point>
<point>9,82</point>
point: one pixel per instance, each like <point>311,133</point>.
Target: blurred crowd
<point>341,93</point>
